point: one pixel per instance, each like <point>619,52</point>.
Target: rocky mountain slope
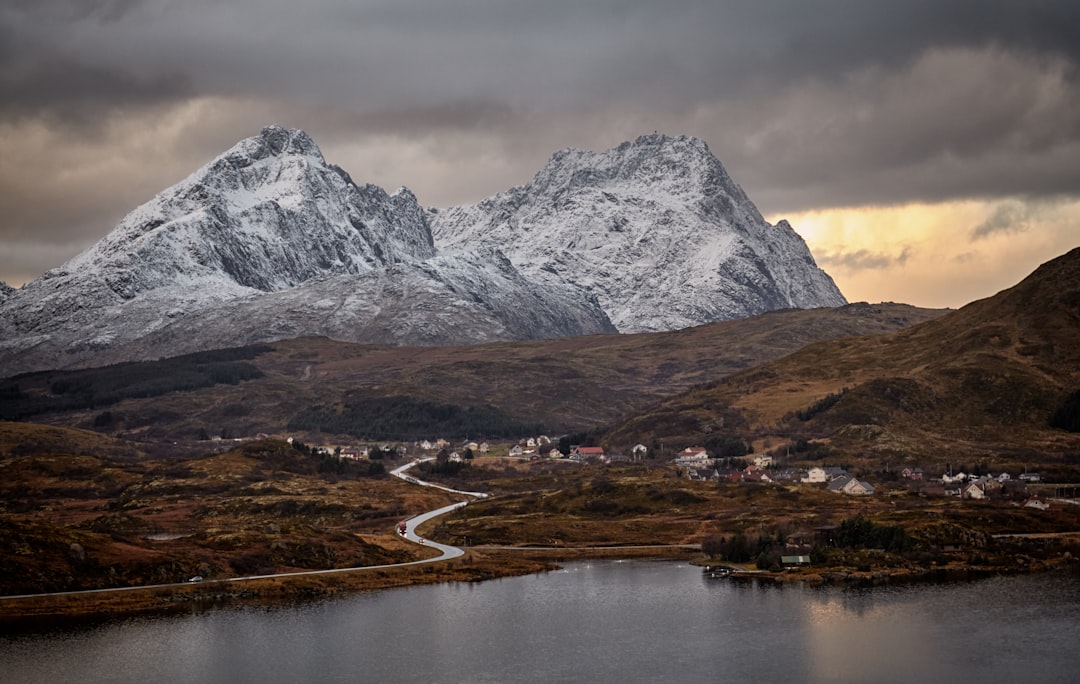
<point>269,241</point>
<point>270,231</point>
<point>656,229</point>
<point>456,298</point>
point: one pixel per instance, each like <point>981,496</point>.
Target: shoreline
<point>477,565</point>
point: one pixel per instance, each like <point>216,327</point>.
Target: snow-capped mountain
<point>456,298</point>
<point>267,216</point>
<point>269,241</point>
<point>656,229</point>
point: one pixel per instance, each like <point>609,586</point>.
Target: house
<point>824,474</point>
<point>484,447</point>
<point>530,442</point>
<point>638,451</point>
<point>618,458</point>
<point>848,484</point>
<point>1029,477</point>
<point>702,474</point>
<point>1004,477</point>
<point>763,460</point>
<point>517,450</point>
<point>352,454</point>
<point>426,445</point>
<point>585,452</point>
<point>912,473</point>
<point>455,457</point>
<point>973,490</point>
<point>543,440</point>
<point>1037,502</point>
<point>753,473</point>
<point>472,445</point>
<point>693,456</point>
<point>696,452</point>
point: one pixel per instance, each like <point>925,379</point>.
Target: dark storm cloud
<point>836,102</point>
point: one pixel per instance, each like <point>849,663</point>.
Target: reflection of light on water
<point>851,637</point>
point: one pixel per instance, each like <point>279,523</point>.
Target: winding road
<point>446,552</point>
<point>412,523</point>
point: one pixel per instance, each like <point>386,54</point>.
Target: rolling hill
<point>983,380</point>
<point>560,385</point>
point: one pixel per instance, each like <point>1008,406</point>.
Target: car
<point>196,578</point>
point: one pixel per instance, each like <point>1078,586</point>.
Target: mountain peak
<point>655,228</point>
<point>649,235</point>
<point>273,142</point>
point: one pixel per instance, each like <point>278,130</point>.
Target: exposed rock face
<point>656,229</point>
<point>269,217</point>
<point>269,241</point>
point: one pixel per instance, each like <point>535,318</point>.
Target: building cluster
<point>697,464</point>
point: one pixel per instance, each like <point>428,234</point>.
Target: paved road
<point>412,523</point>
<point>447,552</point>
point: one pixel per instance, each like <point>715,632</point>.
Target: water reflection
<point>596,622</point>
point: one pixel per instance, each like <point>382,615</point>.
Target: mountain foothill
<point>635,293</point>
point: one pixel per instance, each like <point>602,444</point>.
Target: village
<point>697,464</point>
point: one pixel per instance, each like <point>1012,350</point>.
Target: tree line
<point>409,419</point>
<point>32,394</point>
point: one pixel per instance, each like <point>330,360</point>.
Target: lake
<point>606,621</point>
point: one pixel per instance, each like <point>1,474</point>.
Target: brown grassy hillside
<point>983,379</point>
<point>561,385</point>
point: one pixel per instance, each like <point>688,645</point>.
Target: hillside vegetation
<point>322,386</point>
<point>989,379</point>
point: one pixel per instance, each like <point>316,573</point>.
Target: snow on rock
<point>459,297</point>
<point>269,241</point>
<point>656,229</point>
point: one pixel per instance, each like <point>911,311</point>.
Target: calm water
<point>637,621</point>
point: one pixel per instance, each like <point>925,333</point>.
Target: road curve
<point>412,523</point>
<point>447,552</point>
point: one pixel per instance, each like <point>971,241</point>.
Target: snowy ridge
<point>269,241</point>
<point>461,297</point>
<point>656,229</point>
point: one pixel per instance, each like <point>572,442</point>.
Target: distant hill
<point>985,379</point>
<point>562,385</point>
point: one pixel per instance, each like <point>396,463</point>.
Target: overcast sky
<point>928,151</point>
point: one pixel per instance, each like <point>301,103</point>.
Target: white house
<point>973,490</point>
<point>638,451</point>
<point>1037,502</point>
<point>763,460</point>
<point>849,485</point>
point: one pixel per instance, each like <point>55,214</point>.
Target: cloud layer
<point>850,105</point>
